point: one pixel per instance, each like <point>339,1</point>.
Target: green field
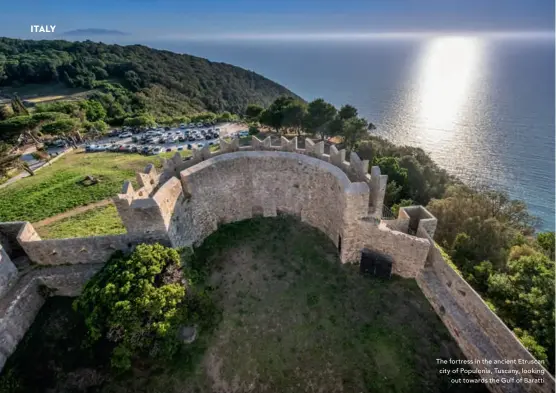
<point>57,189</point>
<point>100,221</point>
<point>294,319</point>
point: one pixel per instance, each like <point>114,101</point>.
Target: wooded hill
<point>159,82</point>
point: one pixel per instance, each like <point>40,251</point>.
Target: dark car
<point>189,147</point>
<point>145,149</point>
<point>167,128</point>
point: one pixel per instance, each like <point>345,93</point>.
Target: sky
<point>274,19</point>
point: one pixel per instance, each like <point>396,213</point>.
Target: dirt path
<point>71,213</point>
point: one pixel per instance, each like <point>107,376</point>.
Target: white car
<point>156,150</point>
<point>125,134</point>
<point>199,124</point>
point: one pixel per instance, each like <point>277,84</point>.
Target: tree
<point>93,110</point>
<point>6,111</point>
<point>12,128</point>
<point>13,161</point>
<point>524,299</point>
<point>546,242</point>
<point>319,114</point>
<point>224,117</point>
<point>347,112</point>
<point>390,166</point>
<point>273,116</point>
<point>354,130</point>
<point>133,80</point>
<point>253,129</point>
<point>253,111</point>
<point>59,127</point>
<point>140,121</point>
<point>293,116</point>
<point>18,107</point>
<point>336,127</point>
<point>137,304</point>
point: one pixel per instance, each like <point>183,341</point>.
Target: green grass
<point>293,320</point>
<point>56,189</point>
<point>101,221</point>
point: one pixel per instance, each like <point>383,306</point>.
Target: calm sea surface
<point>483,109</point>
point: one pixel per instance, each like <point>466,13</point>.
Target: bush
<point>253,129</point>
<point>136,304</point>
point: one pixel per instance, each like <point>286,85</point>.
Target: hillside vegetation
<point>156,81</point>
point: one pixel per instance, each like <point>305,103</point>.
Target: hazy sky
<point>199,19</point>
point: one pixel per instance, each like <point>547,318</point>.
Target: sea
<point>483,108</point>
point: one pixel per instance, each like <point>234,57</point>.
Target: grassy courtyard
<point>57,188</point>
<point>96,222</point>
<point>293,319</point>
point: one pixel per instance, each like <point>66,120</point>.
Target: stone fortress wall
<point>191,198</point>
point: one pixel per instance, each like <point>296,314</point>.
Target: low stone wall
<point>21,304</point>
<point>82,250</point>
<point>477,330</point>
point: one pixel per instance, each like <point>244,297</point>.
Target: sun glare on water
<point>447,73</point>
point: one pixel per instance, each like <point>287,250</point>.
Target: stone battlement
<point>192,197</point>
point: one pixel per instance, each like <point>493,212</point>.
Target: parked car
<point>156,150</point>
<point>182,138</point>
<point>243,134</point>
<point>180,148</point>
<point>145,150</point>
<point>169,149</point>
<point>90,148</point>
<point>189,147</point>
<point>125,134</point>
<point>199,124</point>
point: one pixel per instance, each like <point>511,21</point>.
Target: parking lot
<point>160,140</point>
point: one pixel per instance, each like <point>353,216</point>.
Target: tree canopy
<point>136,303</point>
<point>161,81</point>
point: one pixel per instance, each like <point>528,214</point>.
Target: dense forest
<point>156,81</point>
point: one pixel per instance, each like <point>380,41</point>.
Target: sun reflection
<point>447,73</point>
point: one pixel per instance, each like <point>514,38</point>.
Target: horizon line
<point>342,36</point>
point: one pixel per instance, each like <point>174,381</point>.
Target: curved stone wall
<point>238,186</point>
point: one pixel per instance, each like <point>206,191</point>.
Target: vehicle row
<point>147,150</point>
<point>129,131</point>
<point>175,136</point>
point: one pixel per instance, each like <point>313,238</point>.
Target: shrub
<point>136,304</point>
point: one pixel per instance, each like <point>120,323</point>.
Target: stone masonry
<point>191,198</point>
